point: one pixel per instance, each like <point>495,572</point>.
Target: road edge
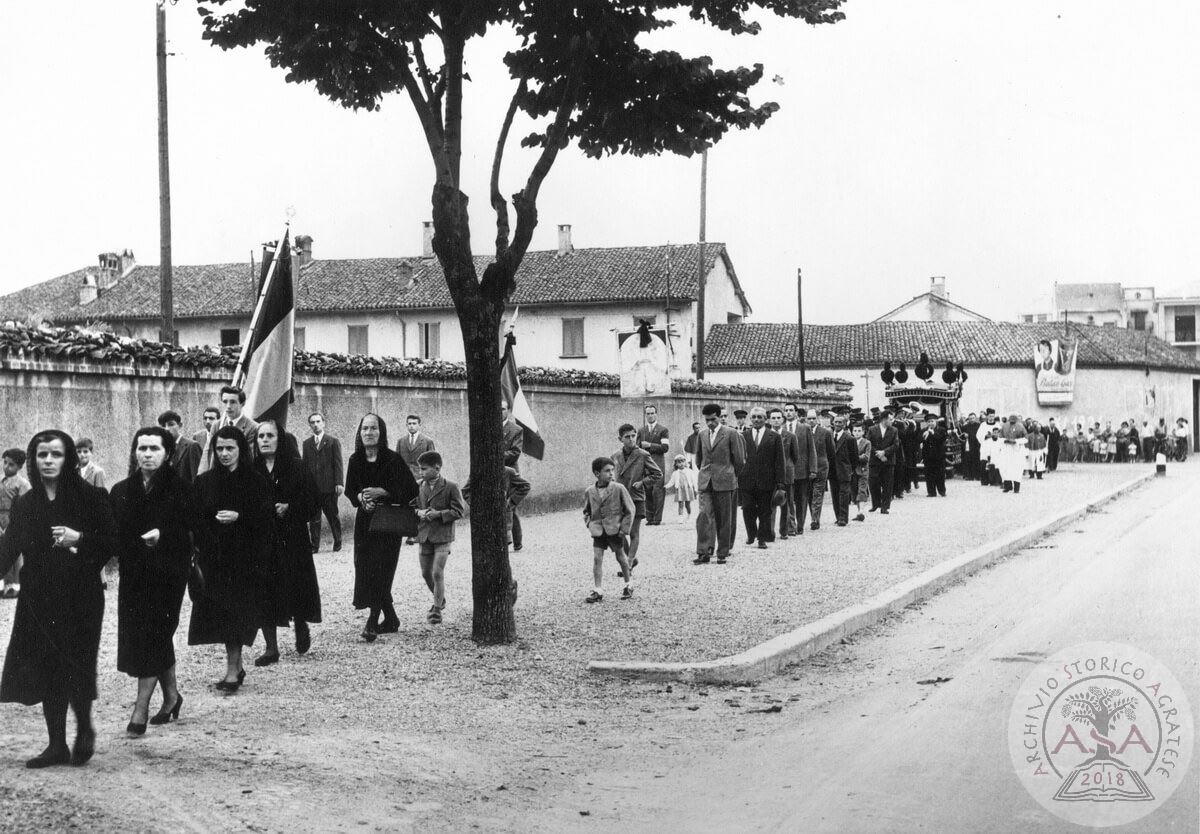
<point>769,658</point>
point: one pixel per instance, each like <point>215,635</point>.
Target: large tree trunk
<point>493,589</point>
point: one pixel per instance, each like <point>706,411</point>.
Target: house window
<point>1027,319</point>
<point>298,338</point>
<point>1041,318</point>
<point>637,320</point>
<point>1139,320</point>
<point>572,345</point>
<point>429,333</point>
<point>356,339</point>
<point>230,336</point>
<point>1185,328</point>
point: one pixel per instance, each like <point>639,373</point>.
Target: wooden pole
<point>166,331</point>
<point>700,282</point>
<point>800,324</point>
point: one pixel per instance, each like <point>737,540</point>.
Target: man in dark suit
<point>885,445</point>
<point>761,478</point>
<point>514,445</point>
<point>970,455</point>
<point>933,456</point>
<point>322,457</point>
<point>841,469</point>
<point>823,441</point>
<point>414,444</point>
<point>791,453</point>
<point>1054,439</point>
<point>186,459</point>
<point>806,469</point>
<point>653,437</point>
<point>720,455</point>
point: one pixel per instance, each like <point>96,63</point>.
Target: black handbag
<point>195,582</point>
<point>394,520</point>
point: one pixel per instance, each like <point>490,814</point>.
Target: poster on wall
<point>644,361</point>
<point>1054,368</point>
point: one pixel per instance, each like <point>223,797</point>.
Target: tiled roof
<point>975,343</point>
<point>1087,297</point>
<point>631,273</point>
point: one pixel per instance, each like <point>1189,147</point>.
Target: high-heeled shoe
<point>165,716</point>
<point>232,686</point>
<point>135,729</point>
<point>267,659</point>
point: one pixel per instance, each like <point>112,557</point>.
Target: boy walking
<point>439,504</point>
<point>636,470</point>
<point>608,512</point>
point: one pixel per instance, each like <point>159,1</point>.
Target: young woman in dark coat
<point>155,517</point>
<point>293,592</point>
<point>376,475</point>
<point>64,528</point>
<point>233,537</point>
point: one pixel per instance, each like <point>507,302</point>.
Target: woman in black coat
<point>64,528</point>
<point>154,514</point>
<point>233,536</point>
<point>293,592</point>
<point>376,475</point>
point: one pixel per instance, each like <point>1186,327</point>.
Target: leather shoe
<point>701,560</point>
<point>85,747</point>
<point>303,637</point>
<point>267,659</point>
<point>762,545</point>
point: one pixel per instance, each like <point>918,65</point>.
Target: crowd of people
<point>233,514</point>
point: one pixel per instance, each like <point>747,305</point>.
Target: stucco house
<point>572,301</point>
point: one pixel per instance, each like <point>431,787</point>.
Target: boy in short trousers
<point>608,512</point>
<point>439,504</point>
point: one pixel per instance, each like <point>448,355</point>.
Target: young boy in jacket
<point>439,504</point>
<point>608,512</point>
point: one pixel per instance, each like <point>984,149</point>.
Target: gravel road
<point>425,731</point>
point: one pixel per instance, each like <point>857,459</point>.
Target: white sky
<point>1003,145</point>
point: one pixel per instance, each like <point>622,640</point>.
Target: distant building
<point>573,301</point>
<point>1101,304</point>
<point>1121,373</point>
<point>1177,312</point>
<point>934,305</point>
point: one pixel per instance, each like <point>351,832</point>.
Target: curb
<point>770,657</point>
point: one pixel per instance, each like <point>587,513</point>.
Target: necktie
<point>757,436</point>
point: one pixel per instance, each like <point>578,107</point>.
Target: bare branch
<point>430,123</point>
<point>498,201</point>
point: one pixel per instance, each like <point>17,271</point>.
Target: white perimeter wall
<point>1116,394</point>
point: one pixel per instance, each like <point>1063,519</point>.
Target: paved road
<point>871,750</point>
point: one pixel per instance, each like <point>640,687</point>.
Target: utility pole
<point>800,323</point>
<point>166,331</point>
<point>700,267</point>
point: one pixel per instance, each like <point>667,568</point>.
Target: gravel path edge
<point>774,655</point>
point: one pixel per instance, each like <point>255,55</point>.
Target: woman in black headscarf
<point>64,528</point>
<point>155,517</point>
<point>292,590</point>
<point>233,535</point>
<point>376,475</point>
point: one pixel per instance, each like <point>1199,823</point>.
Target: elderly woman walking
<point>64,528</point>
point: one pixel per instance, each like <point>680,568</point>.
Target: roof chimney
<point>304,248</point>
<point>110,270</point>
<point>127,263</point>
<point>427,239</point>
<point>937,286</point>
<point>564,239</point>
<point>90,291</point>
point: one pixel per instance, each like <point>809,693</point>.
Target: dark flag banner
<point>514,398</point>
<point>266,362</point>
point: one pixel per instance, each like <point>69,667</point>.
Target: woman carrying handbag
<point>376,481</point>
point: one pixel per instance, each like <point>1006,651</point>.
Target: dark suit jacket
<point>887,442</point>
<point>514,444</point>
<point>806,459</point>
<point>657,437</point>
<point>446,502</point>
<point>409,454</point>
<point>718,462</point>
<point>324,465</point>
<point>764,469</point>
<point>791,453</point>
<point>933,446</point>
<point>186,460</point>
<point>823,441</point>
<point>845,456</point>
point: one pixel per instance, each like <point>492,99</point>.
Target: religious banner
<point>644,361</point>
<point>1054,367</point>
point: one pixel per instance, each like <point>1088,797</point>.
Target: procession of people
<point>232,516</point>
